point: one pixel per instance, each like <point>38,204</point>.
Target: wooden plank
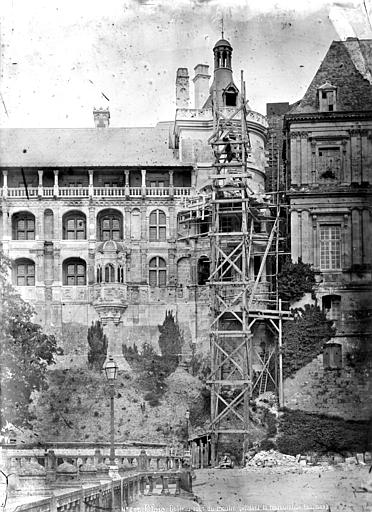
<point>238,382</point>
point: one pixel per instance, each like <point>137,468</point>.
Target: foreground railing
<point>91,481</point>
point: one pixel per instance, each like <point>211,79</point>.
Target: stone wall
<point>345,392</point>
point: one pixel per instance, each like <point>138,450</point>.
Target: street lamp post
<point>111,371</point>
<point>187,415</point>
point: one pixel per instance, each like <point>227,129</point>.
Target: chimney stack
<point>182,88</point>
<point>101,117</point>
<point>201,84</point>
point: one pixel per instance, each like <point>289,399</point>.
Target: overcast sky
<point>60,58</point>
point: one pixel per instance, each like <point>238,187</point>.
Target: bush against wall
<point>301,432</point>
<point>26,353</point>
<point>97,351</point>
<point>294,280</point>
<point>304,338</point>
<point>170,341</point>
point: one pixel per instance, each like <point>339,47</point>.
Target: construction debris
<point>272,458</point>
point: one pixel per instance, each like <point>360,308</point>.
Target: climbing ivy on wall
<point>304,338</point>
<point>294,280</point>
<point>301,432</point>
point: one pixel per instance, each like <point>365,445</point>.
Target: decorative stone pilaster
<point>5,184</point>
<point>143,182</point>
<point>90,186</point>
<point>171,185</point>
<point>127,191</point>
<point>40,190</point>
<point>56,186</point>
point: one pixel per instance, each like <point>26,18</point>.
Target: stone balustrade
<point>95,192</point>
<point>16,460</point>
<point>85,482</point>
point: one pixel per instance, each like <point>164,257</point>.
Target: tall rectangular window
<point>330,247</point>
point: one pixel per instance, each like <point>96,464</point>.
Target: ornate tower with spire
<point>226,92</point>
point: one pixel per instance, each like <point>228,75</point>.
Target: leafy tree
<point>97,342</point>
<point>170,341</point>
<point>25,352</point>
<point>304,338</point>
<point>295,280</point>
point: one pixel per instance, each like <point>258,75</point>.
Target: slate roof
<point>69,147</point>
<point>348,66</point>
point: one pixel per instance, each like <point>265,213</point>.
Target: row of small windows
<point>109,225</point>
<point>74,272</point>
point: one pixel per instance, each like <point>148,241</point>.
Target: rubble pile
<point>271,458</point>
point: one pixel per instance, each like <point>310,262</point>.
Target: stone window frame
<point>333,312</point>
<point>157,272</point>
<point>29,230</point>
<point>157,227</point>
<point>327,97</point>
<point>322,142</point>
<point>323,146</point>
<point>28,275</point>
<point>335,260</point>
<point>111,214</point>
<point>76,216</point>
<point>79,277</point>
<point>201,274</point>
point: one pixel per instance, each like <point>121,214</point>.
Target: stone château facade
<point>89,218</point>
<point>329,164</point>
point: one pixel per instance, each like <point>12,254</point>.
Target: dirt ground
<point>241,490</point>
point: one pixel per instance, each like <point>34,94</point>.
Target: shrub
<point>294,280</point>
<point>170,341</point>
<point>97,342</point>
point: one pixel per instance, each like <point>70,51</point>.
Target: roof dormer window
<point>230,95</point>
<point>327,97</point>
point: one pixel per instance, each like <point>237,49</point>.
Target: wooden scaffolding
<point>244,229</point>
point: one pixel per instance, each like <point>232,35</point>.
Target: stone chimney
<point>101,117</point>
<point>201,84</point>
<point>182,88</point>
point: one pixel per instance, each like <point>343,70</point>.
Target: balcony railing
<point>34,192</point>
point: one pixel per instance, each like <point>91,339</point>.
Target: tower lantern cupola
<point>226,92</point>
<point>222,55</point>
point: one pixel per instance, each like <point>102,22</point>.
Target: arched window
<point>23,226</point>
<point>230,97</point>
<point>157,272</point>
<point>158,227</point>
<point>74,226</point>
<point>120,274</point>
<point>109,273</point>
<point>110,225</point>
<point>203,270</point>
<point>48,225</point>
<point>99,274</point>
<point>74,272</point>
<point>24,272</point>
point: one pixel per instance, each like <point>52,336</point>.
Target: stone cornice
<point>325,117</point>
<point>350,192</point>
